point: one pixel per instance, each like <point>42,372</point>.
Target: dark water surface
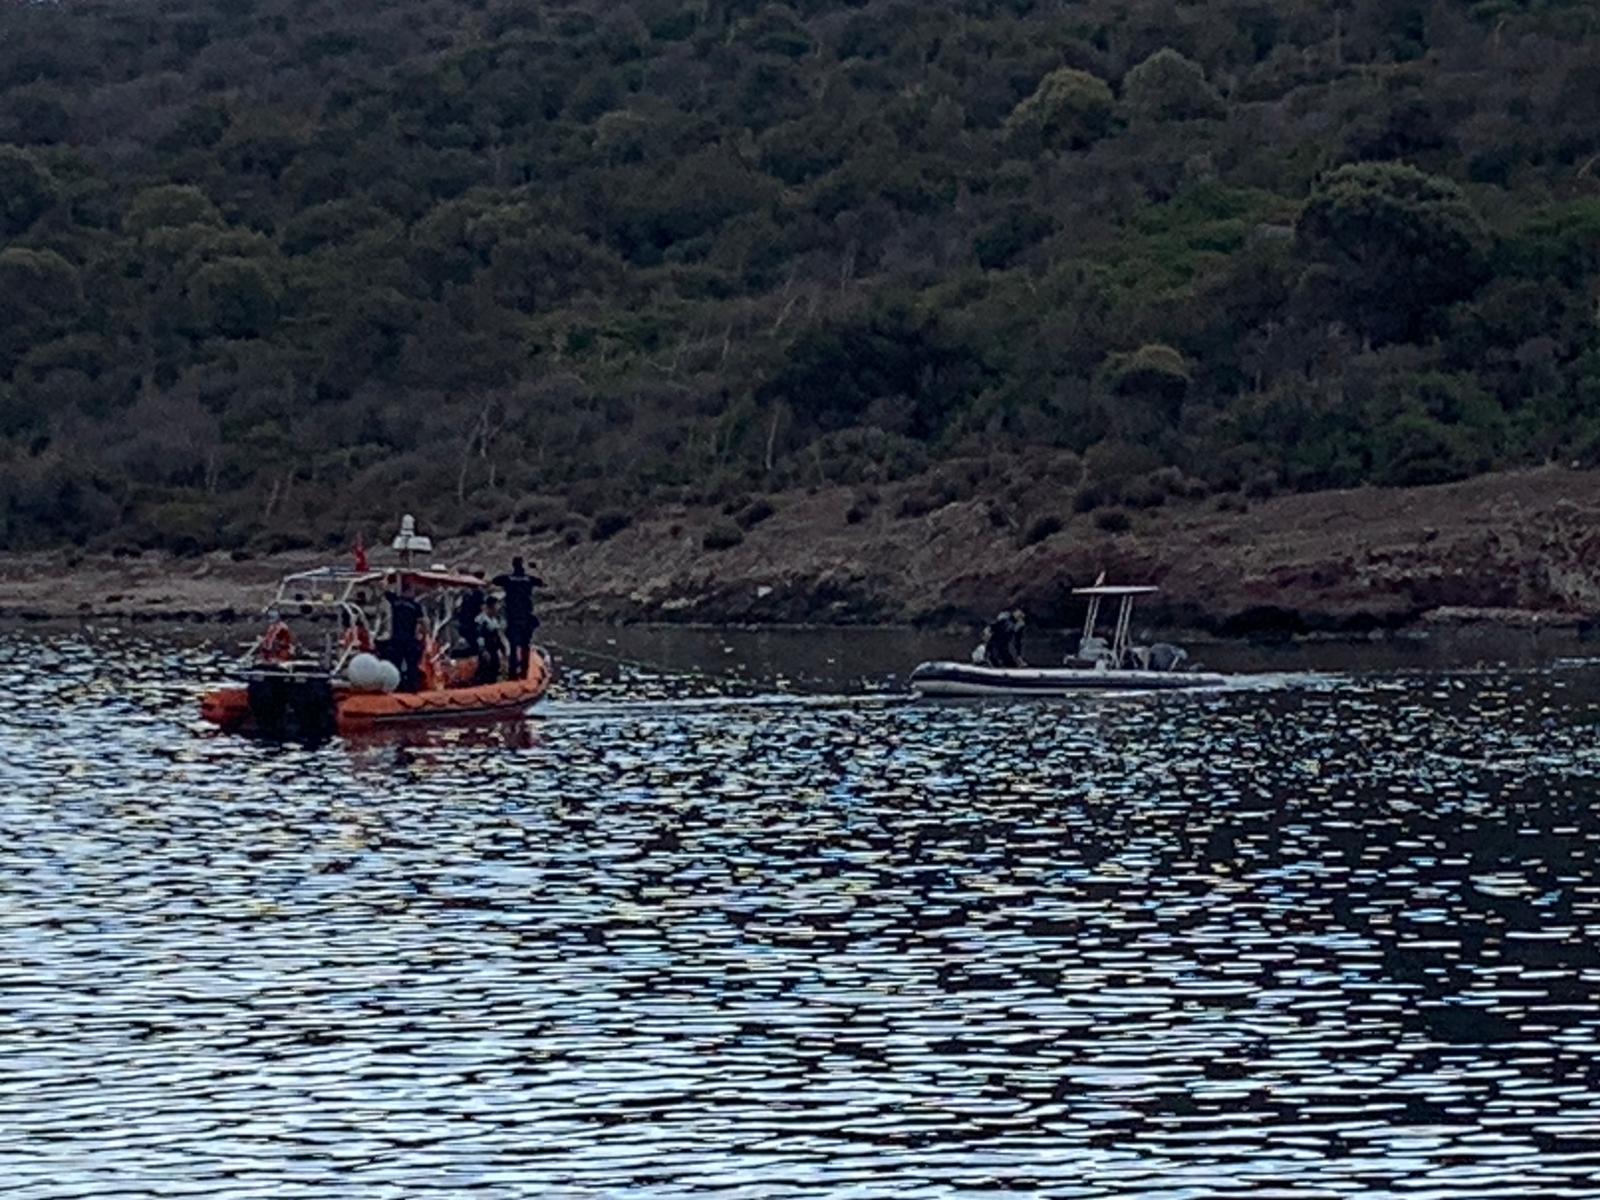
<point>1330,937</point>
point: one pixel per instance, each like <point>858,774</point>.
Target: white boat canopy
<point>1095,648</point>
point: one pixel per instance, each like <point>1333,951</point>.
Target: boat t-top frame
<point>357,593</point>
<point>1094,648</point>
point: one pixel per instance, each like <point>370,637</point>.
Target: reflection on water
<point>1314,941</point>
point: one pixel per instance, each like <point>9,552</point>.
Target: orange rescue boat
<point>286,702</point>
<point>348,688</point>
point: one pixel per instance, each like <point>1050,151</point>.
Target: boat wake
<point>557,709</point>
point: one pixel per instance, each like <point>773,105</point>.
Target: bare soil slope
<point>1514,546</point>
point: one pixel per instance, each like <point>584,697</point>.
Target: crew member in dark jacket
<point>405,647</point>
<point>520,621</point>
<point>467,620</point>
<point>1005,640</point>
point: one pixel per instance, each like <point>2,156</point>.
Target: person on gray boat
<point>1164,656</point>
<point>1003,639</point>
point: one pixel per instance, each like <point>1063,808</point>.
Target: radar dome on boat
<point>369,673</point>
<point>409,541</point>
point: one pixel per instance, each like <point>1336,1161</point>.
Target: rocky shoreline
<point>1519,548</point>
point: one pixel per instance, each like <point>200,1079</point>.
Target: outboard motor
<point>292,707</point>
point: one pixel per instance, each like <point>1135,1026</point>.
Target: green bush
<point>1396,245</point>
<point>170,206</point>
<point>606,525</point>
<point>1069,109</point>
<point>1041,527</point>
<point>723,536</point>
<point>1169,87</point>
<point>1111,463</point>
<point>1000,242</point>
<point>1113,520</point>
<point>1157,374</point>
<point>754,513</point>
<point>27,190</point>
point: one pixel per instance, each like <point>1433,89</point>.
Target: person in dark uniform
<point>1004,640</point>
<point>520,622</point>
<point>467,620</point>
<point>405,647</point>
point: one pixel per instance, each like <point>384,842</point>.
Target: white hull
<point>964,679</point>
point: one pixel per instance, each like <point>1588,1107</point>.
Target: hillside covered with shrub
<point>271,270</point>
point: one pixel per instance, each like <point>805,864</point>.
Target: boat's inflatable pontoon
<point>965,679</point>
<point>293,705</point>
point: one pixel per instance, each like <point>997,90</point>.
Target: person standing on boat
<point>520,622</point>
<point>490,638</point>
<point>467,619</point>
<point>405,647</point>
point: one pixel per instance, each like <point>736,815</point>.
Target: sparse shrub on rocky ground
<point>608,524</point>
<point>861,506</point>
<point>1042,527</point>
<point>754,513</point>
<point>1174,482</point>
<point>722,536</point>
<point>1261,485</point>
<point>947,485</point>
<point>540,514</point>
<point>1144,492</point>
<point>1113,520</point>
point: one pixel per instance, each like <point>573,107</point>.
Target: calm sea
<point>745,922</point>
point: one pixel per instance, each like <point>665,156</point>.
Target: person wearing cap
<point>520,621</point>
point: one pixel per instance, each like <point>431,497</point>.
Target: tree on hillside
<point>778,240</point>
<point>233,298</point>
<point>1068,109</point>
<point>1169,87</point>
<point>890,367</point>
<point>170,206</point>
<point>1394,246</point>
<point>1146,389</point>
<point>26,190</point>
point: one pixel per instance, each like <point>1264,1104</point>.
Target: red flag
<point>361,553</point>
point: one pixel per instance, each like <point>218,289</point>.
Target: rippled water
<point>1335,937</point>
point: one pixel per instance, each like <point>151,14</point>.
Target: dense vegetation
<point>268,267</point>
